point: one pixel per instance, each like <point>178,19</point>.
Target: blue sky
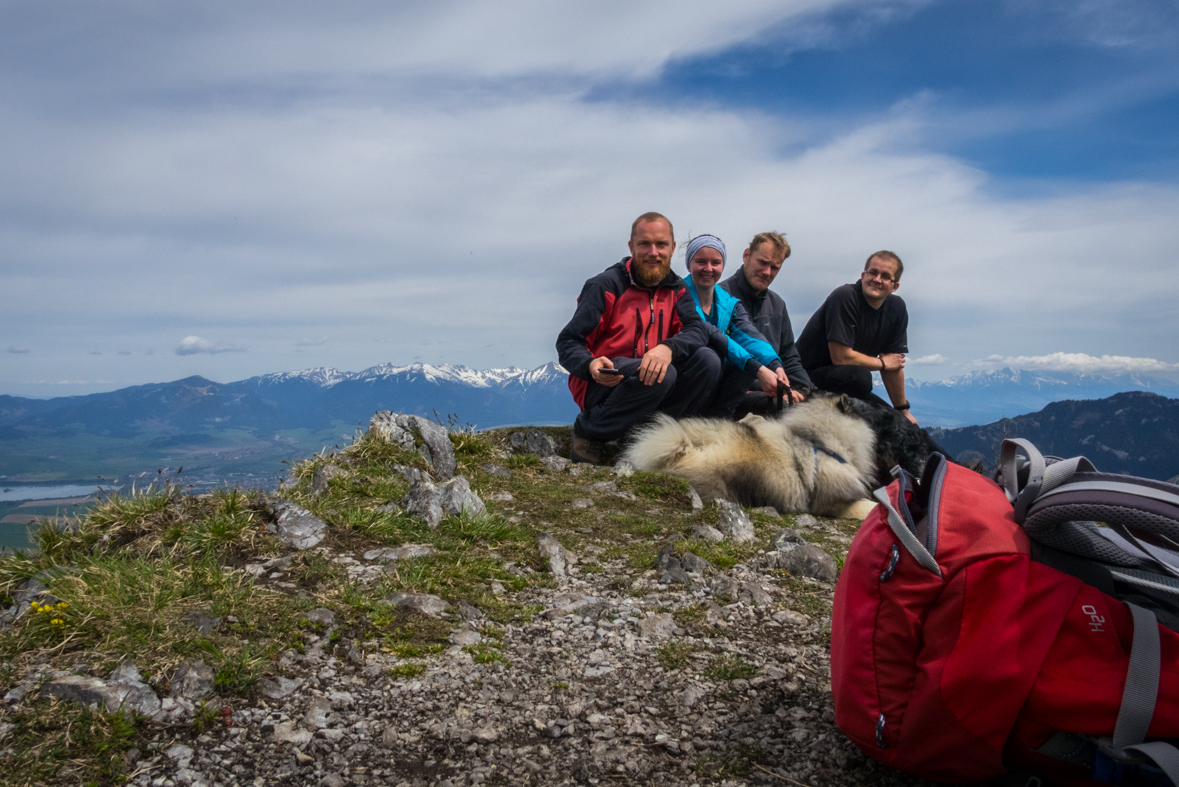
<point>231,190</point>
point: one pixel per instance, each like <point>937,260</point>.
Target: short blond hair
<point>651,216</point>
<point>775,239</point>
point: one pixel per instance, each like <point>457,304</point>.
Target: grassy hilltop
<point>162,578</point>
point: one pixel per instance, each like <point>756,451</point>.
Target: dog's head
<point>898,440</point>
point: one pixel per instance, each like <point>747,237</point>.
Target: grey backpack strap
<point>1138,701</point>
<point>906,536</point>
<point>1042,477</point>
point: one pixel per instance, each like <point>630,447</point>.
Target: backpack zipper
<point>638,331</point>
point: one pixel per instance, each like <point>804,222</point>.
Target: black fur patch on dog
<point>899,441</point>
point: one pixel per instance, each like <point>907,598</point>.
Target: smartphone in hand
<point>606,370</point>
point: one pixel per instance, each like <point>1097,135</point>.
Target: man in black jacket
<point>761,263</point>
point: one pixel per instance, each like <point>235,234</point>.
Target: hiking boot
<point>584,451</point>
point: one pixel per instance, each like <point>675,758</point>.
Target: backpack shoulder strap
<point>1042,477</point>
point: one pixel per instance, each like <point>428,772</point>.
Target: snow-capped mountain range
<point>327,376</point>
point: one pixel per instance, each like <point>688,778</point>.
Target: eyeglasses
<point>872,273</point>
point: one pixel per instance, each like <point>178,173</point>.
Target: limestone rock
<point>497,470</point>
<point>193,680</point>
<point>734,522</point>
<point>658,626</point>
<point>286,732</point>
<point>554,463</point>
<point>323,474</point>
<point>804,560</point>
<point>565,604</point>
<point>317,714</point>
<point>465,637</point>
<point>805,520</point>
<point>321,615</point>
<point>414,432</point>
<point>694,497</point>
<point>403,552</point>
<point>296,526</point>
<point>423,603</point>
<point>558,557</point>
<point>582,502</point>
<point>694,564</point>
<point>128,692</point>
<point>277,688</point>
<point>766,510</point>
<point>456,496</point>
<point>624,469</point>
<point>707,533</point>
<point>787,536</point>
<point>539,443</point>
<point>424,502</point>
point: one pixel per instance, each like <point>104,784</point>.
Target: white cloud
<point>453,191</point>
<point>192,345</point>
<point>937,359</point>
<point>1081,363</point>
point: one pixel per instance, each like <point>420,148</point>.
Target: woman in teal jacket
<point>731,332</point>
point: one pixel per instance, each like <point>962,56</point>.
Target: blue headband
<point>705,242</point>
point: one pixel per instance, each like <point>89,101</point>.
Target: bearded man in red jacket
<point>635,344</point>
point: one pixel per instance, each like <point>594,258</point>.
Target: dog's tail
<point>658,445</point>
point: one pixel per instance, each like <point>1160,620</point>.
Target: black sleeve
<point>694,333</point>
<point>842,317</point>
<point>899,343</point>
<point>572,351</point>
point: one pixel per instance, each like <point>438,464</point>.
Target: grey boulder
<point>193,680</point>
<point>456,497</point>
<point>414,432</point>
<point>424,502</point>
<point>126,693</point>
<point>296,526</point>
<point>804,560</point>
<point>734,523</point>
<point>324,474</point>
<point>422,603</point>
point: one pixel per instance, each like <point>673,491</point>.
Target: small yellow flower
<point>63,605</point>
<point>57,622</point>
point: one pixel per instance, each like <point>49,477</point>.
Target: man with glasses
<point>861,328</point>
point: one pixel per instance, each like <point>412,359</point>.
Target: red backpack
<point>978,628</point>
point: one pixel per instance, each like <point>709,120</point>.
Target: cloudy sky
<point>231,189</point>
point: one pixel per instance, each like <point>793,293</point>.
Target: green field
<point>211,454</point>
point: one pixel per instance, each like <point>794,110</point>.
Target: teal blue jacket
<point>732,333</point>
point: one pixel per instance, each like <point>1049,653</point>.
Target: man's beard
<point>649,278</point>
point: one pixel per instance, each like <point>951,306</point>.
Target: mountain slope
<point>1134,432</point>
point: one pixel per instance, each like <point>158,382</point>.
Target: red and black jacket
<point>617,317</point>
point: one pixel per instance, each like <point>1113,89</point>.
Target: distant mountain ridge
<point>224,430</point>
<point>1135,433</point>
<point>985,396</point>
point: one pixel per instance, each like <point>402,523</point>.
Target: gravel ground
<point>652,684</point>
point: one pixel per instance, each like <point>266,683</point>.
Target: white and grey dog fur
<point>818,456</point>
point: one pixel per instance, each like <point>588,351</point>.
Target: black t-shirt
<point>847,317</point>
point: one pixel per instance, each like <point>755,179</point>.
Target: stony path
<point>603,686</point>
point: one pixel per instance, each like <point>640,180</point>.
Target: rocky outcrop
<point>412,432</point>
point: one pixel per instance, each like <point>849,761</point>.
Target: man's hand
<point>608,380</point>
<point>654,366</point>
<point>892,362</point>
<point>911,417</point>
<point>795,394</point>
<point>769,380</point>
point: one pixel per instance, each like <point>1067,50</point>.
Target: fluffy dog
<point>819,456</point>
